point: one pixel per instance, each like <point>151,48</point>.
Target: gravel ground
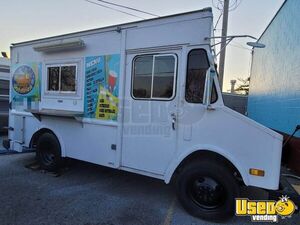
<point>87,194</point>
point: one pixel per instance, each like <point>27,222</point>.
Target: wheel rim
<point>47,154</point>
<point>207,192</point>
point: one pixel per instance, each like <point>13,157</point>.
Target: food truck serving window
<point>154,77</point>
<point>61,78</point>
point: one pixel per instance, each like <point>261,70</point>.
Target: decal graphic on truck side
<point>26,83</point>
<point>102,87</point>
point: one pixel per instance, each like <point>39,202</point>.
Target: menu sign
<point>102,86</point>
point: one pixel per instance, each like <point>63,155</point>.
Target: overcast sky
<point>25,20</point>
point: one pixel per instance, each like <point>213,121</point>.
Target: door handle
<point>173,115</point>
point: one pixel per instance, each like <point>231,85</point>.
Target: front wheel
<point>48,152</point>
<point>207,189</point>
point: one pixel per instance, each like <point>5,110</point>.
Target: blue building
<point>274,97</point>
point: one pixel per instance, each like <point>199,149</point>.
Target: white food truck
<point>142,97</point>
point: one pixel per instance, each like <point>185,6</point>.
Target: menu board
<point>102,87</point>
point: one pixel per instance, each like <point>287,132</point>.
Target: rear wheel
<point>207,189</point>
<point>48,152</point>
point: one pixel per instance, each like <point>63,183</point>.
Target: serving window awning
<point>55,46</point>
<point>56,113</point>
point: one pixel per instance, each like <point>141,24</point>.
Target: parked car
<point>4,93</point>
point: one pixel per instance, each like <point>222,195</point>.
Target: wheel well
<point>205,154</point>
<point>36,136</point>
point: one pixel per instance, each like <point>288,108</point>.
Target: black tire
<point>207,189</point>
<point>48,152</point>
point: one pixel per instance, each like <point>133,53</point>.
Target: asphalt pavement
<point>87,194</point>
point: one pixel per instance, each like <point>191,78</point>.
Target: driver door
<point>150,113</point>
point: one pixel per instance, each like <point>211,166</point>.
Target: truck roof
<point>107,28</point>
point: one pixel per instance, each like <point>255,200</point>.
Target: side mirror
<point>211,73</point>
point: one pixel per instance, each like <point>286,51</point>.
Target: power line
<point>236,5</point>
<point>105,6</point>
<point>218,20</point>
<point>224,6</point>
<point>127,7</point>
<point>219,4</point>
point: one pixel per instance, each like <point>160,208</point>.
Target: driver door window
<point>196,74</point>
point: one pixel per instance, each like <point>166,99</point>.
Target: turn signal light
<point>257,172</point>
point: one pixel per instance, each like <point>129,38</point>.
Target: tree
<point>243,86</point>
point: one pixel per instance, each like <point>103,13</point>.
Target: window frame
<point>175,56</point>
<point>214,87</point>
<point>186,76</point>
<point>60,92</point>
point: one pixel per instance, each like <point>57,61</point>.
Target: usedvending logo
<point>265,211</point>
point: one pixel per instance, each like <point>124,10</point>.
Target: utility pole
<point>223,42</point>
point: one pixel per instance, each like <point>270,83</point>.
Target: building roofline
<point>272,20</point>
<point>208,9</point>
